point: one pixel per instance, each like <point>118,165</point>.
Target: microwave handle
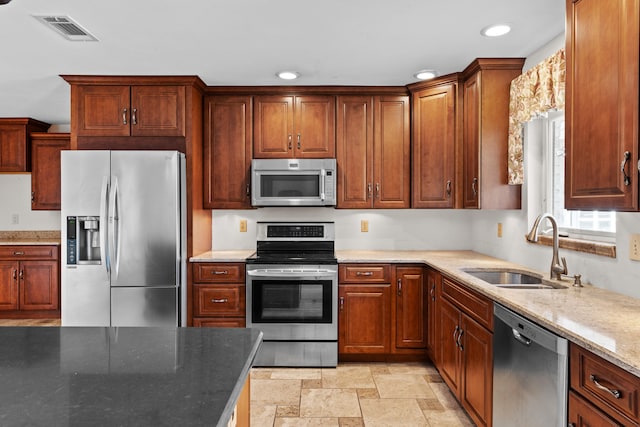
<point>323,175</point>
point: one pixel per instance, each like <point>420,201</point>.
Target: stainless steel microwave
<point>293,182</point>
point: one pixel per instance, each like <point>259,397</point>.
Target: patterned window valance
<point>533,93</point>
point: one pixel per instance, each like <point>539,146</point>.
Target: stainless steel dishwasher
<point>530,375</point>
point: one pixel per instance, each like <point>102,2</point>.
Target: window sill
<point>586,246</point>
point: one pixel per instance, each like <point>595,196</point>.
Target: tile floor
<point>354,394</point>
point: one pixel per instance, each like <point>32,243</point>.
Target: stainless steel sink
<point>511,279</point>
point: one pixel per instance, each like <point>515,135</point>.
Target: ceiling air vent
<point>66,27</point>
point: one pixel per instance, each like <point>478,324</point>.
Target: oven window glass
<point>290,186</point>
<point>291,301</point>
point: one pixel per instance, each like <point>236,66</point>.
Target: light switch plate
<point>243,225</point>
<point>499,229</point>
<point>364,226</point>
<point>634,247</point>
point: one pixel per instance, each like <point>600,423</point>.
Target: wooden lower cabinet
<point>602,394</point>
<point>410,310</point>
<point>219,297</point>
<point>382,311</point>
<point>364,318</point>
<point>29,281</point>
<point>465,358</point>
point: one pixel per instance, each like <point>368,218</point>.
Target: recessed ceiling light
<point>425,74</point>
<point>288,75</point>
<point>496,30</point>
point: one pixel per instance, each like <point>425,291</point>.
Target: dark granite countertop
<point>72,376</point>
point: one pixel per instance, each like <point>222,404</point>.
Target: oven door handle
<point>290,275</point>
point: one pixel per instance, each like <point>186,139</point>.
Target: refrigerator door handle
<point>114,226</point>
<point>104,247</point>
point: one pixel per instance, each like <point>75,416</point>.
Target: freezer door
<point>144,306</point>
<point>85,298</point>
<point>144,218</point>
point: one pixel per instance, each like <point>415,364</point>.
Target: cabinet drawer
<point>476,306</point>
<point>37,252</point>
<point>222,322</point>
<point>603,383</point>
<point>219,300</point>
<point>218,273</point>
<point>365,273</point>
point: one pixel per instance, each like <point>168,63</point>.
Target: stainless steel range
<point>292,294</point>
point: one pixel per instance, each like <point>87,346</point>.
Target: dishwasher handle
<point>521,338</point>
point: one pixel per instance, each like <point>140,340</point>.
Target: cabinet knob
<point>21,275</point>
<point>399,287</point>
<point>134,117</point>
<point>299,143</point>
<point>369,190</point>
<point>341,303</point>
<point>124,116</point>
<point>474,186</point>
<point>377,190</point>
<point>15,274</point>
<point>449,188</point>
<point>290,143</point>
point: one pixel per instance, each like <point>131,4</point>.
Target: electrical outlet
<point>15,219</point>
<point>500,229</point>
<point>634,247</point>
<point>243,225</point>
<point>364,226</point>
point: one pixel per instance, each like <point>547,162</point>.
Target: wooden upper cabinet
<point>601,110</point>
<point>15,143</point>
<point>294,126</point>
<point>354,152</point>
<point>112,110</point>
<point>485,134</point>
<point>373,152</point>
<point>435,131</point>
<point>45,169</point>
<point>227,152</point>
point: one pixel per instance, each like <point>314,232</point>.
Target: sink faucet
<point>557,269</point>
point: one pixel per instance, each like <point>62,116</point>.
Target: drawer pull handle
<point>341,303</point>
<point>21,275</point>
<point>614,393</point>
<point>364,273</point>
<point>220,272</point>
<point>220,300</point>
<point>18,253</point>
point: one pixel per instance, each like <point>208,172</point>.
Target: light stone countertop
<point>37,237</point>
<point>604,322</point>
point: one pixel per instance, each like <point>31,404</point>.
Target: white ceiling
<point>245,42</point>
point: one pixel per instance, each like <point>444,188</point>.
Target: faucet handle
<point>577,280</point>
<point>564,265</point>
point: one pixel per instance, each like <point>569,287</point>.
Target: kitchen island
<point>123,376</point>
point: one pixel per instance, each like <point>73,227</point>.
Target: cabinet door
<point>433,315</point>
<point>602,104</point>
<point>315,127</point>
<point>158,110</point>
<point>227,152</point>
<point>355,152</point>
<point>583,414</point>
<point>45,169</point>
<point>392,153</point>
<point>39,285</point>
<point>411,308</point>
<point>101,110</point>
<point>471,137</point>
<point>449,358</point>
<point>273,127</point>
<point>13,148</point>
<point>8,285</point>
<point>434,144</point>
<point>477,371</point>
<point>219,322</point>
<point>364,319</point>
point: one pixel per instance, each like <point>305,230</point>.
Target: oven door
<point>293,302</point>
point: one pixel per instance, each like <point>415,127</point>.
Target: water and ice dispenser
<point>83,240</point>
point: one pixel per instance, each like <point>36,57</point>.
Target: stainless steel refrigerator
<point>123,238</point>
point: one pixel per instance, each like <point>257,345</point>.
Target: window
<point>592,225</point>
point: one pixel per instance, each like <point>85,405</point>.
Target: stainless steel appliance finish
<point>292,294</point>
<point>293,182</point>
<point>530,373</point>
<point>123,238</point>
